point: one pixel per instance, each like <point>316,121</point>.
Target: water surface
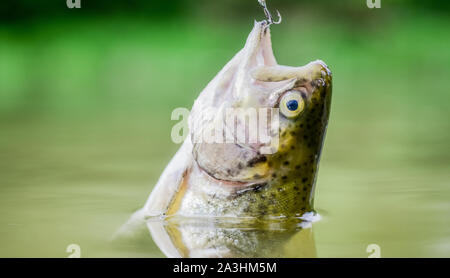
<point>65,182</point>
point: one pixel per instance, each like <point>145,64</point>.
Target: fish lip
<point>324,65</point>
<point>239,185</point>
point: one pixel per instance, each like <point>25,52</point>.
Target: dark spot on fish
<point>292,147</point>
<point>284,177</point>
<point>256,160</point>
<point>274,175</point>
<point>286,163</point>
<point>292,133</point>
<point>297,167</point>
<point>259,187</point>
<point>304,179</point>
<point>296,188</point>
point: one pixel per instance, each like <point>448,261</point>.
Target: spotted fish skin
<point>289,190</point>
<point>209,179</point>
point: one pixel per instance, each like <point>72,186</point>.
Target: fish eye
<point>292,104</point>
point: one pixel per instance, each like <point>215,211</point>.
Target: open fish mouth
<point>235,163</point>
<point>251,80</point>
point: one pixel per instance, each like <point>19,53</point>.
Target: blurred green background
<point>86,96</point>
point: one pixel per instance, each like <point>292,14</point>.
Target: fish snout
<point>315,76</point>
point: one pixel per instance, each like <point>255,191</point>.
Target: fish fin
<point>133,228</point>
<point>169,182</point>
<point>161,196</point>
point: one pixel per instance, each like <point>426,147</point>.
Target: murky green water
<point>78,181</point>
<point>85,131</point>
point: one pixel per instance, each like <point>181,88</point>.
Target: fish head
<point>294,102</point>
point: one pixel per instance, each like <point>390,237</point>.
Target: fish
<point>250,179</point>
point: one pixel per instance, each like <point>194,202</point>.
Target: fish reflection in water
<point>237,237</point>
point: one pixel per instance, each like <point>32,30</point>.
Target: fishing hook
<point>269,18</point>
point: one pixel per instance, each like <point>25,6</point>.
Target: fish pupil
<point>292,105</point>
